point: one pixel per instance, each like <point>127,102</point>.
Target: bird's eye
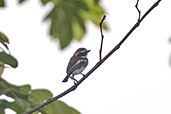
<point>82,54</point>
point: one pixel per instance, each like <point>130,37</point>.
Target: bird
<point>77,63</point>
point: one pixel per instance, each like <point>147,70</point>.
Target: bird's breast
<point>78,71</point>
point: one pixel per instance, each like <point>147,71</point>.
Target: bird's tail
<point>67,77</point>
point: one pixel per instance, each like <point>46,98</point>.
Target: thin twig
<point>139,12</point>
<point>101,31</point>
<point>96,66</point>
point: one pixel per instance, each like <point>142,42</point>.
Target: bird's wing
<point>71,63</point>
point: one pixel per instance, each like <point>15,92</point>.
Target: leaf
<point>21,91</point>
<point>2,111</point>
<point>60,26</point>
<point>21,1</point>
<point>38,96</point>
<point>59,107</point>
<point>4,104</point>
<point>3,89</point>
<point>20,94</point>
<point>96,1</point>
<point>2,3</point>
<point>25,89</point>
<point>14,91</point>
<point>94,14</point>
<point>1,68</point>
<point>45,1</point>
<point>78,27</point>
<point>78,31</point>
<point>4,40</point>
<point>68,18</point>
<point>32,98</point>
<point>65,35</point>
<point>20,105</point>
<point>8,59</point>
<point>82,5</point>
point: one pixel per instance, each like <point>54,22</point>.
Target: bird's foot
<point>82,74</point>
<point>75,81</point>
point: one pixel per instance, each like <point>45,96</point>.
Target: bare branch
<point>96,66</point>
<point>101,31</point>
<point>139,12</point>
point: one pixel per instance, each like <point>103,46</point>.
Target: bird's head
<point>81,52</point>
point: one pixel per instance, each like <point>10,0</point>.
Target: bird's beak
<point>88,51</point>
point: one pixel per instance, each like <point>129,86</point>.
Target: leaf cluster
<point>25,98</point>
<point>6,58</point>
<point>68,18</point>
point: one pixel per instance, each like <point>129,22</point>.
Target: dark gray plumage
<point>77,63</point>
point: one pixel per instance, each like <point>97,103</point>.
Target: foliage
<point>2,3</point>
<point>6,58</point>
<point>25,98</point>
<point>68,18</point>
<point>67,22</point>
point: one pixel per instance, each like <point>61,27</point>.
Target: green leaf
<point>65,35</point>
<point>26,99</point>
<point>4,104</point>
<point>2,110</point>
<point>21,91</point>
<point>20,105</point>
<point>59,107</point>
<point>78,26</point>
<point>3,91</point>
<point>82,4</point>
<point>14,91</point>
<point>60,25</point>
<point>38,96</point>
<point>45,1</point>
<point>78,31</point>
<point>4,40</point>
<point>1,68</point>
<point>25,89</point>
<point>8,59</point>
<point>95,14</point>
<point>68,18</point>
<point>96,1</point>
<point>2,3</point>
<point>21,1</point>
<point>3,87</point>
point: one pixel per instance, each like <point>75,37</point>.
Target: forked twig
<point>139,12</point>
<point>101,31</point>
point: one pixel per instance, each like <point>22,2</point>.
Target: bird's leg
<point>72,77</point>
<point>82,74</point>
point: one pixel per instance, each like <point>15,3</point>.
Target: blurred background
<point>135,79</point>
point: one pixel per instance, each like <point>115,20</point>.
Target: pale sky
<point>134,80</point>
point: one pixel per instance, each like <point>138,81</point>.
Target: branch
<point>139,12</point>
<point>101,31</point>
<point>96,66</point>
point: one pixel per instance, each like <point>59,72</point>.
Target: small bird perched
<point>77,63</point>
